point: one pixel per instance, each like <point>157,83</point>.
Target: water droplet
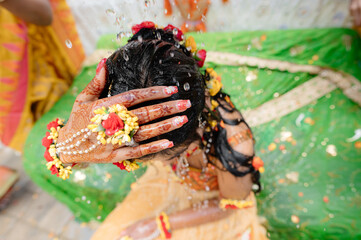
<point>120,35</point>
<point>125,56</point>
<point>172,54</point>
<point>204,18</point>
<point>175,31</point>
<point>109,11</point>
<point>160,61</point>
<point>177,45</point>
<point>161,72</point>
<point>165,11</point>
<point>68,43</point>
<point>186,86</point>
<point>189,16</point>
<point>189,75</point>
<point>140,38</point>
<point>159,36</point>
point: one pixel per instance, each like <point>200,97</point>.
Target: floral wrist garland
<point>164,226</point>
<point>234,204</point>
<point>51,155</point>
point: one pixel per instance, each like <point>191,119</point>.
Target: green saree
<point>299,91</point>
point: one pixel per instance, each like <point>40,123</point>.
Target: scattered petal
<point>295,219</point>
<point>293,176</point>
<point>272,147</point>
<point>331,150</point>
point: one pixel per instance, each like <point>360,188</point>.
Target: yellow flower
<point>64,173</point>
<point>214,104</point>
<point>212,73</point>
<point>92,126</point>
<point>214,86</point>
<point>190,43</point>
<point>100,110</point>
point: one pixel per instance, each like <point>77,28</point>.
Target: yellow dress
<point>37,66</point>
<point>160,189</point>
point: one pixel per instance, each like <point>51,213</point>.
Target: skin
<point>355,10</point>
<point>230,187</point>
<point>32,11</point>
<point>88,100</point>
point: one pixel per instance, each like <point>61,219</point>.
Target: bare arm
<point>33,11</point>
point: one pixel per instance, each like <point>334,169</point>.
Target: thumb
<point>92,91</point>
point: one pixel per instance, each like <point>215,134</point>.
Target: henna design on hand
<point>87,101</point>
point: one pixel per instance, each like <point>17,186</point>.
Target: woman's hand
<point>355,10</point>
<point>140,230</point>
<point>88,100</point>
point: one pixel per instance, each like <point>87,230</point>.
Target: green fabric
<point>325,196</point>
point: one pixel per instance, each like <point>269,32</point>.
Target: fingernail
<point>184,104</point>
<point>179,121</point>
<point>171,90</point>
<point>168,145</point>
<point>100,65</point>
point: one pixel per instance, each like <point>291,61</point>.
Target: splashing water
<point>172,54</point>
<point>110,11</point>
<point>175,32</point>
<point>68,43</point>
<point>140,38</point>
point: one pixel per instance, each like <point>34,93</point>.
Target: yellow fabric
<point>36,69</point>
<point>160,190</point>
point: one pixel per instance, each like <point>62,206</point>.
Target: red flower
<point>54,170</point>
<point>201,57</point>
<point>257,163</point>
<point>47,156</point>
<point>46,142</point>
<point>53,124</point>
<point>113,124</point>
<point>145,24</point>
<point>179,35</point>
<point>120,165</point>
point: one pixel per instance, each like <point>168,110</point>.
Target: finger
<point>92,91</point>
<point>156,129</point>
<point>150,113</point>
<point>353,11</point>
<point>358,14</point>
<point>142,150</point>
<point>134,97</point>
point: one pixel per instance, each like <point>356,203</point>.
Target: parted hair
<point>153,57</point>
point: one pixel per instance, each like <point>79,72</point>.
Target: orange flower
<point>257,163</point>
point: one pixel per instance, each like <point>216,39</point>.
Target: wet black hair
<point>153,57</point>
